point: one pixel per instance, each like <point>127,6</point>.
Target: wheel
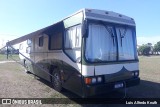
<point>56,80</point>
<point>24,62</point>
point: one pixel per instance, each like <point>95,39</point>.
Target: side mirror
<point>78,60</point>
<point>84,29</point>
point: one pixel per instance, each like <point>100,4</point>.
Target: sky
<point>20,17</point>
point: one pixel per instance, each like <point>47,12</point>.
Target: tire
<point>36,77</point>
<point>24,63</point>
<point>56,80</point>
<point>28,72</point>
<point>27,69</point>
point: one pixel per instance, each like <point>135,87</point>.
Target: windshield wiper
<point>110,31</point>
<point>122,35</point>
<point>97,60</point>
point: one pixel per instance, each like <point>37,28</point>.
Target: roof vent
<point>89,10</point>
<point>106,12</point>
<point>120,15</point>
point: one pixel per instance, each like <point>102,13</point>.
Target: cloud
<point>145,39</point>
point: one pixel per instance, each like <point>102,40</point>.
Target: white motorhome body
<point>23,48</point>
<point>90,52</point>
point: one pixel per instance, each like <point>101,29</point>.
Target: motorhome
<point>90,52</point>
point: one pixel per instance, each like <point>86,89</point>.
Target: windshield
<point>102,45</point>
<point>125,43</point>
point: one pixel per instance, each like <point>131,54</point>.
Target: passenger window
<point>55,41</point>
<point>20,46</point>
<point>29,42</point>
<point>73,38</point>
<point>28,50</point>
<point>73,42</point>
<point>41,41</point>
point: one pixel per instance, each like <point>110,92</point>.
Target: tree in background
<point>151,48</point>
<point>144,49</point>
<point>156,48</point>
<point>10,50</point>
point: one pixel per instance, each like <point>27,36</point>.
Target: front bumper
<point>91,90</point>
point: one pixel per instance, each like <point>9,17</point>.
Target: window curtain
<point>125,44</point>
<point>73,42</point>
<point>99,44</point>
<point>73,37</point>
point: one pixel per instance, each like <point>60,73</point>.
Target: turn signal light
<point>88,80</point>
<point>93,80</point>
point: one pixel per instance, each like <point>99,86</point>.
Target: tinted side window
<point>55,41</point>
<point>20,46</point>
<point>41,41</point>
<point>29,41</point>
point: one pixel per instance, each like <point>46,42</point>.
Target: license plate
<point>118,85</point>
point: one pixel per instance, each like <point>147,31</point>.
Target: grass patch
<point>3,57</point>
<point>149,68</point>
<point>13,67</point>
<point>149,73</point>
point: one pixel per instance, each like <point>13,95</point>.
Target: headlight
<point>99,79</point>
<point>93,80</point>
<point>136,73</point>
